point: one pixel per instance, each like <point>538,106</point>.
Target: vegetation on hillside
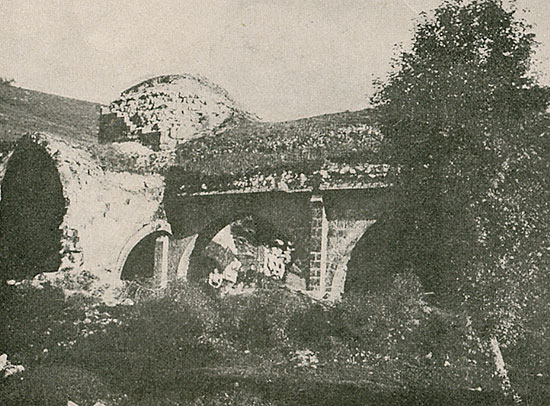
<point>4,81</point>
<point>254,147</point>
<point>23,111</point>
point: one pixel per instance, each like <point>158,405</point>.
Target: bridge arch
<point>263,233</point>
<point>154,229</point>
<point>32,209</point>
<point>370,263</point>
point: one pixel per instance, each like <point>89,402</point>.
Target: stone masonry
<point>109,211</point>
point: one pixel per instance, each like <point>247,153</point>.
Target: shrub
<point>261,320</point>
<point>36,320</point>
<point>54,385</point>
<point>312,328</point>
<point>381,322</point>
<point>156,343</point>
<point>6,82</point>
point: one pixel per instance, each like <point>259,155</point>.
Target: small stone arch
<point>154,227</point>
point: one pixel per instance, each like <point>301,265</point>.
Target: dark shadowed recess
<point>251,228</point>
<point>387,249</point>
<point>31,211</point>
<point>140,263</point>
<point>372,263</point>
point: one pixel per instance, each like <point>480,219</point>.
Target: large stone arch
<point>104,209</point>
<point>195,219</point>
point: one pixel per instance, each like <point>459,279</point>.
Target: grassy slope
<point>251,146</point>
<point>23,111</point>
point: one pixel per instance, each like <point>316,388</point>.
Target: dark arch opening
<point>246,229</point>
<point>140,264</point>
<point>31,212</point>
<point>372,264</point>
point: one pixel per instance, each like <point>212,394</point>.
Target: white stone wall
<point>104,211</point>
<point>179,107</point>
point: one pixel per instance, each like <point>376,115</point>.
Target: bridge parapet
<point>331,176</point>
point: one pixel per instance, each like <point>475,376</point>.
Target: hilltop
<point>23,111</point>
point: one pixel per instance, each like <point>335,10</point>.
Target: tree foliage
<point>466,123</point>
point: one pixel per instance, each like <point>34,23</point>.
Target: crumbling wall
<point>103,211</point>
<point>164,111</point>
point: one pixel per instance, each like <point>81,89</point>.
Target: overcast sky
<point>281,59</point>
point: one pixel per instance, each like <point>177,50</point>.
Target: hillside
<point>23,111</point>
<point>253,146</point>
<point>74,121</point>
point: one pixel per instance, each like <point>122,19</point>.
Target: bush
<point>261,320</point>
<point>36,320</point>
<point>156,343</point>
<point>381,322</point>
<point>6,82</point>
<point>313,327</point>
<point>54,385</point>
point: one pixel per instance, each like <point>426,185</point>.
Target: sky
<point>281,59</point>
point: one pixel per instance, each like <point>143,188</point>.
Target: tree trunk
<point>501,370</point>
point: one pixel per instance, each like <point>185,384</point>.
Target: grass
<point>252,147</point>
<point>192,348</point>
<point>23,111</point>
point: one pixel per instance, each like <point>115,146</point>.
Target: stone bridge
<point>119,208</point>
<point>323,221</point>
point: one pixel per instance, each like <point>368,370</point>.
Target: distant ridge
<point>23,111</point>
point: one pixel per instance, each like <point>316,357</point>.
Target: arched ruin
<point>173,154</point>
<point>31,212</point>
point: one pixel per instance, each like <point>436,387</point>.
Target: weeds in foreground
<point>192,348</point>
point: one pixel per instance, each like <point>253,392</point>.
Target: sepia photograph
<point>271,203</point>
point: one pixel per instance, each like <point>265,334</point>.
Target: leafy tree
<point>466,124</point>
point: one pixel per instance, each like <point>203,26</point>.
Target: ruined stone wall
<point>164,111</point>
<point>113,127</point>
<point>105,212</point>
